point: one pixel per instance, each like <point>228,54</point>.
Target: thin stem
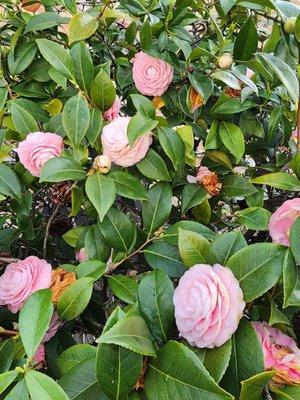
<point>8,260</point>
<point>5,332</point>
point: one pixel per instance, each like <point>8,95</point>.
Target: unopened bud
<point>225,61</point>
<point>102,164</point>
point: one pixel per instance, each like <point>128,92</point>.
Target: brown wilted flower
<point>208,179</point>
<point>61,279</point>
<point>195,101</point>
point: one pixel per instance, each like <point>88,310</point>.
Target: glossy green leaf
<point>156,211</point>
<point>143,105</point>
<point>81,26</point>
<point>291,281</point>
<point>246,358</point>
<point>6,354</point>
<point>123,287</point>
<point>261,263</point>
<point>102,91</point>
<point>75,355</point>
<point>155,297</point>
<point>23,120</point>
<point>117,369</point>
<point>171,234</point>
<point>131,333</point>
<point>288,393</point>
<point>19,392</point>
<point>233,138</point>
<point>34,320</point>
<point>9,182</point>
<point>76,118</point>
<point>57,56</point>
<point>246,41</point>
<point>41,386</point>
<point>178,373</point>
<point>129,186</point>
<point>255,218</point>
<point>236,186</point>
<point>279,180</point>
<point>83,63</point>
<point>154,167</point>
<point>172,145</point>
<point>95,245</point>
<point>227,244</point>
<point>101,191</point>
<point>22,57</point>
<point>75,298</point>
<point>43,21</point>
<point>192,195</point>
<point>60,169</point>
<point>138,126</point>
<point>194,248</point>
<point>253,387</point>
<point>295,240</point>
<point>7,379</point>
<point>95,126</point>
<point>91,268</point>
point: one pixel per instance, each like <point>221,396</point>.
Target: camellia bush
<point>149,180</point>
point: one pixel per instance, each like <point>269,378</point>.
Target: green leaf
<point>230,80</point>
<point>7,379</point>
<point>34,109</point>
<point>138,126</point>
<point>19,392</point>
<point>171,234</point>
<point>57,56</point>
<point>237,186</point>
<point>279,180</point>
<point>172,145</point>
<point>261,263</point>
<point>220,158</point>
<point>75,298</point>
<point>123,287</point>
<point>92,268</point>
<point>192,195</point>
<point>76,118</point>
<point>102,91</point>
<point>288,393</point>
<point>146,35</point>
<point>227,244</point>
<point>80,382</point>
<point>23,121</point>
<point>177,373</point>
<point>7,348</point>
<point>117,369</point>
<point>166,257</point>
<point>232,106</point>
<point>118,231</point>
<point>276,315</point>
<point>194,248</point>
<point>154,167</point>
<point>155,297</point>
<point>60,169</point>
<point>43,21</point>
<point>246,358</point>
<point>95,126</point>
<point>215,360</point>
<point>246,42</point>
<point>295,165</point>
<point>9,182</point>
<point>34,319</point>
<point>72,236</point>
<point>22,57</point>
<point>285,74</point>
<point>83,63</point>
<point>81,26</point>
<point>203,85</point>
<point>101,191</point>
<point>3,97</point>
<point>255,218</point>
<point>74,356</point>
<point>41,386</point>
<point>156,211</point>
<point>291,281</point>
<point>233,138</point>
<point>253,387</point>
<point>95,245</point>
<point>143,105</point>
<point>131,333</point>
<point>129,186</point>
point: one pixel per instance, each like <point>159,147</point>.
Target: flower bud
<point>225,61</point>
<point>102,164</point>
<point>289,25</point>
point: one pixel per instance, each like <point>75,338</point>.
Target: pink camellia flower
<point>113,111</point>
<point>21,279</point>
<point>151,76</point>
<point>208,305</point>
<point>39,356</point>
<point>280,353</point>
<point>37,148</point>
<point>282,220</point>
<point>294,136</point>
<point>81,255</point>
<point>116,146</point>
